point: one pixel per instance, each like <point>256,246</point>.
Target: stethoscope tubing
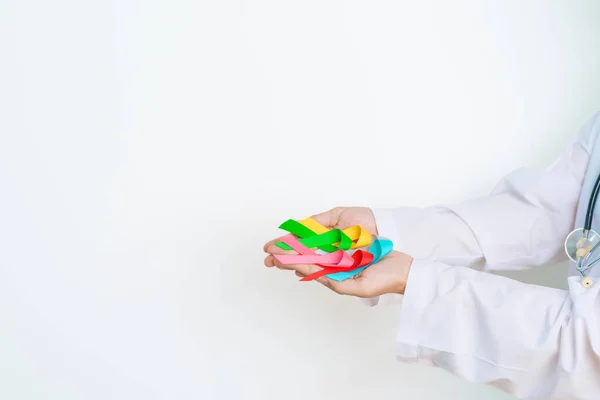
<point>582,265</point>
<point>589,215</point>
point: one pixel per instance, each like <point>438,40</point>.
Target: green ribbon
<point>310,239</point>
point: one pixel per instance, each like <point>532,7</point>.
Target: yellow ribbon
<point>359,236</point>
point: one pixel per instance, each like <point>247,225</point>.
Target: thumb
<point>329,218</point>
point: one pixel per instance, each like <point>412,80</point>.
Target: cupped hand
<point>389,275</point>
<point>345,217</point>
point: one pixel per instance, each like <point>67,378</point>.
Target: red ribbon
<point>361,258</point>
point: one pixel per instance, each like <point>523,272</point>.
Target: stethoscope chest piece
<point>580,243</point>
<point>580,246</point>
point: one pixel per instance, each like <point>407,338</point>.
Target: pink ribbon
<point>339,258</point>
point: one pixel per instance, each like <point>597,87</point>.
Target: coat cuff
<point>419,292</point>
<point>387,228</point>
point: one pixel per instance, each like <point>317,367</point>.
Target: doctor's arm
<point>528,340</point>
<point>521,224</point>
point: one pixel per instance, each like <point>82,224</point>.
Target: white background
<point>149,149</point>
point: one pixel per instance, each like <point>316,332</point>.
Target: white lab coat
<point>531,341</point>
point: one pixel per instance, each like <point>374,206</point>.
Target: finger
<point>269,243</point>
<point>282,266</point>
<point>269,261</point>
<point>274,249</point>
<point>285,267</point>
<point>299,274</point>
<point>305,269</point>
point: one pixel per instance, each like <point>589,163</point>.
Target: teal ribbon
<point>380,248</point>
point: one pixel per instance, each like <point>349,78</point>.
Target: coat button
<point>587,282</point>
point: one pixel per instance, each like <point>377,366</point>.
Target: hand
<point>345,217</point>
<point>387,276</point>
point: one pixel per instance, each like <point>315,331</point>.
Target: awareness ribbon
<point>337,265</point>
<point>380,248</point>
<point>313,234</point>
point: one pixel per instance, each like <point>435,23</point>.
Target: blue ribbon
<point>379,248</point>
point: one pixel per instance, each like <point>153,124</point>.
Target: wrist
<point>403,272</point>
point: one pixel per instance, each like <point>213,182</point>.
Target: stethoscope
<point>582,243</point>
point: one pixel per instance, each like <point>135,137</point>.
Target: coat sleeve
<point>521,224</point>
<point>531,341</point>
